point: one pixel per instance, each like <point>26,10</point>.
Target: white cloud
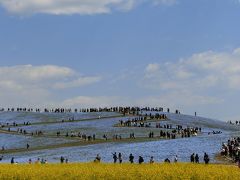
<point>35,73</point>
<point>92,101</point>
<point>166,2</point>
<point>183,99</point>
<point>82,81</point>
<point>199,72</point>
<point>47,75</point>
<point>36,85</point>
<point>73,6</point>
<point>173,100</point>
<point>152,68</point>
<point>203,80</point>
<point>9,85</point>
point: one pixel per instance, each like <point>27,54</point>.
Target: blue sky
<point>180,54</point>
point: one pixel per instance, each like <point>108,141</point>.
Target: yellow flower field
<point>119,171</point>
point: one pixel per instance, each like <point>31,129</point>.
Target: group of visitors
<point>141,120</point>
<point>232,149</point>
<point>194,158</point>
<point>124,110</point>
<point>167,135</point>
<point>14,124</point>
<point>133,122</point>
<point>118,158</point>
<point>24,132</point>
<point>63,160</point>
<point>215,132</point>
<point>30,161</point>
<point>80,135</point>
<point>234,123</point>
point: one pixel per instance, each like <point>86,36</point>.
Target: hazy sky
<point>182,54</point>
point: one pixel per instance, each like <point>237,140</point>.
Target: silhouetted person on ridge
<point>196,158</point>
<point>140,160</point>
<point>120,158</point>
<point>97,159</point>
<point>12,160</point>
<point>114,157</point>
<point>167,160</point>
<point>192,158</point>
<point>176,159</point>
<point>206,158</point>
<point>151,160</point>
<point>131,158</point>
<point>62,159</point>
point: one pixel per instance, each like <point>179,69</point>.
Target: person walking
<point>12,160</point>
<point>140,160</point>
<point>120,158</point>
<point>176,159</point>
<point>206,158</point>
<point>62,159</point>
<point>151,160</point>
<point>114,157</point>
<point>192,158</point>
<point>97,159</point>
<point>196,158</point>
<point>131,158</point>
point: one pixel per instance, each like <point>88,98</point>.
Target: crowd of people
<point>24,132</point>
<point>232,149</point>
<point>194,158</point>
<point>141,120</point>
<point>80,135</point>
<point>167,135</point>
<point>30,161</point>
<point>215,132</point>
<point>127,109</point>
<point>118,158</point>
<point>234,123</point>
<point>187,132</point>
